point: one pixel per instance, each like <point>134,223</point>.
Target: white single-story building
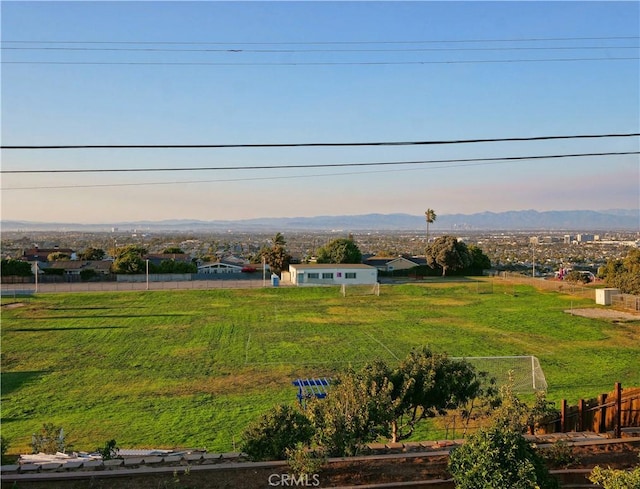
<point>331,274</point>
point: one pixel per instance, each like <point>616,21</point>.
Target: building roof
<point>321,266</point>
<point>41,254</point>
<point>104,265</point>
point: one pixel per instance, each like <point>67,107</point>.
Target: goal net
<point>359,290</point>
<point>525,371</point>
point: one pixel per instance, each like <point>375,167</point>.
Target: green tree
<point>277,257</point>
<point>430,217</point>
<point>448,253</point>
<point>479,261</point>
<point>92,253</point>
<point>128,260</point>
<point>356,410</point>
<point>273,433</point>
<point>341,250</point>
<point>426,385</point>
<point>88,274</point>
<point>13,267</point>
<point>498,458</point>
<point>624,274</point>
<point>173,250</point>
<point>172,266</point>
<point>58,256</point>
<point>4,447</point>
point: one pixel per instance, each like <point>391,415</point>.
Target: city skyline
<point>252,73</point>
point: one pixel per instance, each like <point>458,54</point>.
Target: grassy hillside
<point>192,368</point>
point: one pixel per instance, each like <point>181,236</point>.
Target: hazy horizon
<point>251,73</point>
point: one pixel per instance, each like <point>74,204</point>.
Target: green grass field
<point>192,368</point>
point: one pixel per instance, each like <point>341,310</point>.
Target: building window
<point>313,275</point>
<point>328,275</point>
<point>350,275</point>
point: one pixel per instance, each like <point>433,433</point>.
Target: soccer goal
<point>525,371</point>
<point>359,290</point>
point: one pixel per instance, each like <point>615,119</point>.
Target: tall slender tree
<point>430,217</point>
<point>277,257</point>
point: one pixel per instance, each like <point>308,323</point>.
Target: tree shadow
<point>125,316</point>
<point>62,328</point>
<point>12,381</point>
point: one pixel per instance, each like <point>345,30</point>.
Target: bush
<point>4,446</point>
<point>303,461</point>
<point>616,479</point>
<point>50,440</point>
<point>498,458</point>
<point>109,451</point>
<point>559,455</point>
<point>88,274</point>
<point>269,437</point>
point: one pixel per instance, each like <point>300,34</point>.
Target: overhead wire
<point>307,43</point>
<point>316,63</point>
<point>317,144</point>
<point>456,163</point>
<point>334,47</point>
<point>236,50</point>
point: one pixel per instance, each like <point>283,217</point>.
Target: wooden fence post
<point>563,416</point>
<point>580,415</point>
<point>617,428</point>
<point>602,422</point>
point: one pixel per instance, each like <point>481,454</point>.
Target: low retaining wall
<point>411,466</point>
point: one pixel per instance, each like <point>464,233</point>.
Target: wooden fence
<point>607,413</point>
<point>626,301</point>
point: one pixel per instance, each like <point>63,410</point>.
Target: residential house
<point>389,264</point>
<point>74,267</point>
<point>41,254</point>
<point>220,267</point>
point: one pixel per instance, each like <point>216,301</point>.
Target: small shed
<point>604,297</point>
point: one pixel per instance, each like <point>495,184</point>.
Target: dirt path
<point>609,314</point>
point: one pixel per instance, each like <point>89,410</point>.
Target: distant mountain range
<point>610,220</point>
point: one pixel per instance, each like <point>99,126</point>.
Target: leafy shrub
<point>50,440</point>
<point>615,478</point>
<point>269,437</point>
<point>88,274</point>
<point>498,458</point>
<point>304,461</point>
<point>53,271</point>
<point>109,451</point>
<point>4,446</point>
<point>559,455</point>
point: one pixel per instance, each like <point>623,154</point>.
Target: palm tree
<point>278,240</point>
<point>430,216</point>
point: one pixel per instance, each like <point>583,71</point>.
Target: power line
<point>324,50</point>
<point>318,165</point>
<point>309,43</point>
<point>298,145</point>
<point>476,162</point>
<point>318,63</point>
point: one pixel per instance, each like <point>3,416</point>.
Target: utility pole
<point>533,260</point>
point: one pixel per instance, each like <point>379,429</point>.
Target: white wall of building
<point>333,274</point>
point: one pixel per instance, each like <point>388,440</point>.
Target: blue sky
<point>302,72</point>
